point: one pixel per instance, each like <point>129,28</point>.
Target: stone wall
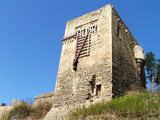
<point>74,87</point>
<point>125,72</point>
<point>47,97</point>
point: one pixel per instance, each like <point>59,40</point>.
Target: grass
<point>140,105</point>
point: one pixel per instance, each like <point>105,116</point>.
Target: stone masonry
<point>44,98</point>
<point>100,59</point>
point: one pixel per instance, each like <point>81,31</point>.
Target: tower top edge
<point>106,6</point>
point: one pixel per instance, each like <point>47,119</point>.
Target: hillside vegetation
<point>142,106</point>
<point>133,106</point>
<point>26,111</point>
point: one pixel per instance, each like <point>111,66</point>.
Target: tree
<point>150,67</point>
<point>3,104</point>
<point>157,80</point>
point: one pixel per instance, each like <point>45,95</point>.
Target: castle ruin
<point>100,60</point>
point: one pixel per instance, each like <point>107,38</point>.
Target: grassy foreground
<point>138,105</point>
<point>134,105</point>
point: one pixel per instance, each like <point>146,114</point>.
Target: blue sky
<point>30,34</point>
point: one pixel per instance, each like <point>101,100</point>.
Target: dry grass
<point>40,110</point>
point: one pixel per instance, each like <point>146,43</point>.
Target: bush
<point>25,111</point>
<point>21,111</point>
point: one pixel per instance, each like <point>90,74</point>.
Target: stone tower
<point>100,59</point>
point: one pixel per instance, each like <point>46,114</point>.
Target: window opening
<point>75,65</point>
<point>118,31</point>
<point>92,29</point>
<point>98,90</point>
<point>81,33</point>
